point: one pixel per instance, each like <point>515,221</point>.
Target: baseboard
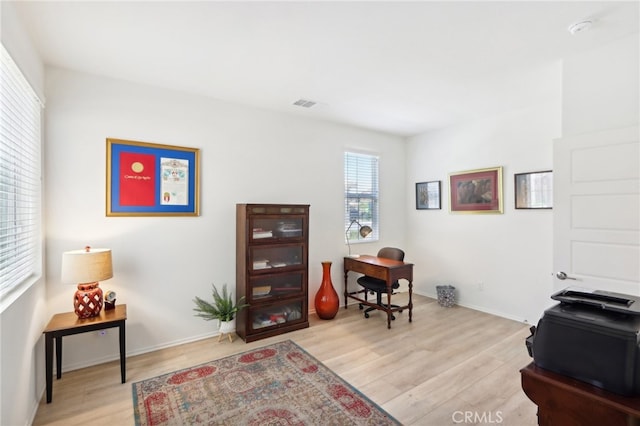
<point>116,357</point>
<point>480,309</point>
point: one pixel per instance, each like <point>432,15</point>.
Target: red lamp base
<point>87,301</point>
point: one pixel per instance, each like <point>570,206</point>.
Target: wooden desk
<point>384,269</point>
<point>565,401</point>
<point>67,324</point>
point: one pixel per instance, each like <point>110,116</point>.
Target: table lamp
<point>85,268</point>
<point>363,230</point>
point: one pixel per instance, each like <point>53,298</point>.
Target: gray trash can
<point>446,295</point>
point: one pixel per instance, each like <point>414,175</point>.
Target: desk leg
<point>410,299</point>
<point>48,367</point>
<point>389,313</point>
<point>346,293</point>
<point>123,358</point>
<point>58,357</point>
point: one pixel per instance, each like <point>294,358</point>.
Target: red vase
<point>327,302</point>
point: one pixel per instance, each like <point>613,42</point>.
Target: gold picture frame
<point>476,191</point>
<point>150,179</point>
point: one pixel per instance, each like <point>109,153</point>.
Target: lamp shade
<point>365,230</point>
<point>86,266</point>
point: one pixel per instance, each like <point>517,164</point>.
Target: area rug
<point>279,384</point>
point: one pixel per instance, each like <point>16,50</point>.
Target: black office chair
<point>378,286</point>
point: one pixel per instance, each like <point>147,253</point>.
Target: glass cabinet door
<point>276,286</point>
<point>276,315</point>
<point>265,228</point>
<point>266,258</point>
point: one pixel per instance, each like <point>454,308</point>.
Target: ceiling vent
<point>305,103</point>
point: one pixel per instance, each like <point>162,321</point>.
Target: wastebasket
<point>446,295</point>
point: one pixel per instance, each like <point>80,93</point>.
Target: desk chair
<point>378,286</point>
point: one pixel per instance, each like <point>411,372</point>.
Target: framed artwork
<point>148,179</point>
<point>476,191</point>
<point>428,195</point>
<point>534,190</point>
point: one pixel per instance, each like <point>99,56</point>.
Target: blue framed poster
<point>148,179</point>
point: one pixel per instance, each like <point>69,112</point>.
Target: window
<point>360,194</point>
<point>20,206</point>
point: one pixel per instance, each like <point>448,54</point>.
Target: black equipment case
<point>592,336</point>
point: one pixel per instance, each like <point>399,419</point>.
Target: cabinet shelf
<point>272,245</point>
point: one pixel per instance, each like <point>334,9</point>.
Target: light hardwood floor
<point>449,366</point>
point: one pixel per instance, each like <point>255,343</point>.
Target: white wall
<point>161,263</point>
<point>510,253</point>
<point>23,313</point>
<point>602,87</point>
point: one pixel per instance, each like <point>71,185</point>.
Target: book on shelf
<point>261,264</point>
<point>262,233</point>
<point>261,290</point>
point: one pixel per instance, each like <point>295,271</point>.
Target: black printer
<point>592,336</point>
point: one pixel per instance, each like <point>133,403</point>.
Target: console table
<point>385,269</point>
<point>67,324</point>
<point>565,401</point>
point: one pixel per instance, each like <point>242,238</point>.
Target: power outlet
<point>481,286</point>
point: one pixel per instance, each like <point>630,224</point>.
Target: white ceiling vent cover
<point>305,103</point>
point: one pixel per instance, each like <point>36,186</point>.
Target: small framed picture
<point>428,195</point>
<point>534,190</point>
<point>476,191</point>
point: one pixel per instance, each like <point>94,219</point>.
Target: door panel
<point>597,210</point>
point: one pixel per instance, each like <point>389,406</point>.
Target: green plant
<point>223,307</point>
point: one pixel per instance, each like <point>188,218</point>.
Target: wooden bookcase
<point>272,252</point>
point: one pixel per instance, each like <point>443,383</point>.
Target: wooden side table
<point>565,401</point>
<point>67,324</point>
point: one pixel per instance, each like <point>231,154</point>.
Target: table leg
<point>48,355</point>
<point>346,293</point>
<point>410,299</point>
<point>58,357</point>
<point>389,313</point>
<point>123,358</point>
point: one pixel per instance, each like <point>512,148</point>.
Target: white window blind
<point>360,194</point>
<point>20,186</point>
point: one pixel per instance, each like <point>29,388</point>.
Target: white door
<point>597,211</point>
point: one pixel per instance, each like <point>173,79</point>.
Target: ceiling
<point>398,67</point>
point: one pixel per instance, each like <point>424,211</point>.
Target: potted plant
<point>223,308</point>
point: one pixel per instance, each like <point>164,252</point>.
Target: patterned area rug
<point>279,384</point>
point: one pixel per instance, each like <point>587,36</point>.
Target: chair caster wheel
<point>360,306</point>
<point>366,315</point>
<point>393,318</point>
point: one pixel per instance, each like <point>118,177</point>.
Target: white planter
<point>227,326</point>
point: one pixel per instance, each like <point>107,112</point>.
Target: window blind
<point>20,187</point>
<point>360,193</point>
